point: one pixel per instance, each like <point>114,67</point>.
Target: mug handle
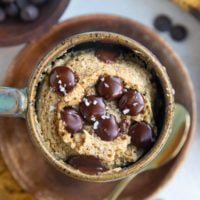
<point>13,102</point>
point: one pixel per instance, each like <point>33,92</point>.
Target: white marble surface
<point>186,183</point>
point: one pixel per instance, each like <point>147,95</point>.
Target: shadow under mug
<point>21,103</point>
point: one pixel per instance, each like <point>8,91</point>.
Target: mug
<point>21,103</point>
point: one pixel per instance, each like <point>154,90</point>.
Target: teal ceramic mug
<point>21,103</point>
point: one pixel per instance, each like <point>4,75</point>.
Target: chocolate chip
<point>124,125</point>
<point>162,23</point>
<point>178,33</point>
<point>62,79</point>
<point>107,54</point>
<point>87,164</point>
<point>107,128</point>
<point>110,87</point>
<point>72,120</point>
<point>12,10</point>
<point>2,15</point>
<point>29,13</point>
<point>141,135</point>
<point>131,103</point>
<point>92,107</point>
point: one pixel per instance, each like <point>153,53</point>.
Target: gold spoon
<point>176,140</point>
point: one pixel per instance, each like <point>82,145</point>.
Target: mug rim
<point>136,47</point>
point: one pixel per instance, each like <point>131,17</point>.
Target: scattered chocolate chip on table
<point>162,23</point>
<point>178,32</point>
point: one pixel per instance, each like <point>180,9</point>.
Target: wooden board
<point>28,166</point>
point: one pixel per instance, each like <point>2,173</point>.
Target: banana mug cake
<point>98,108</point>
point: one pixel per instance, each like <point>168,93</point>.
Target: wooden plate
<point>15,31</point>
<point>28,166</point>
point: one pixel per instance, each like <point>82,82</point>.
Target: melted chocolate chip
<point>108,54</point>
<point>87,164</point>
<point>62,79</point>
<point>92,107</point>
<point>141,135</point>
<point>162,23</point>
<point>131,103</point>
<point>124,125</point>
<point>110,87</point>
<point>72,120</point>
<point>178,32</point>
<point>107,128</point>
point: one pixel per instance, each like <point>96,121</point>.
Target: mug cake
<point>99,108</point>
